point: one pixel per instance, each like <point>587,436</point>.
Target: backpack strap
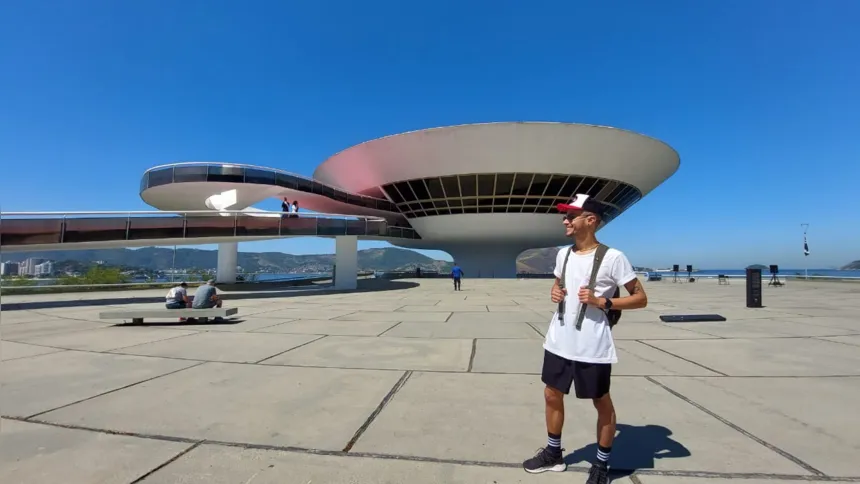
<point>561,286</point>
<point>592,282</point>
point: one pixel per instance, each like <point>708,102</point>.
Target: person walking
<point>456,274</point>
<point>579,350</point>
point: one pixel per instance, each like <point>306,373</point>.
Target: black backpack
<point>613,315</point>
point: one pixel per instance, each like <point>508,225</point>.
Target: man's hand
<point>586,296</point>
<point>557,294</point>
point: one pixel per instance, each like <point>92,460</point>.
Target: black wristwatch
<point>608,304</point>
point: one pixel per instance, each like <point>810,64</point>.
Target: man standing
<point>581,355</point>
<point>456,274</point>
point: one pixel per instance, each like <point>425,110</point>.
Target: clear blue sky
<point>759,97</point>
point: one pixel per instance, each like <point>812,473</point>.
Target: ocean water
<point>766,273</point>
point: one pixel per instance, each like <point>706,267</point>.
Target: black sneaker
<point>544,461</point>
<point>599,474</point>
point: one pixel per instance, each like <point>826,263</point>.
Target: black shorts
<point>590,380</point>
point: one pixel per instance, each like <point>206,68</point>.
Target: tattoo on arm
<point>634,287</point>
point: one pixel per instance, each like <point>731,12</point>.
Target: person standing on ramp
<point>579,350</point>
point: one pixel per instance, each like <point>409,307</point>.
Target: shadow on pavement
<point>177,322</point>
<point>366,285</point>
<point>634,448</point>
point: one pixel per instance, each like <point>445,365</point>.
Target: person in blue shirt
<point>457,273</point>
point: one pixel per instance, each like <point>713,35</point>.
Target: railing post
<point>184,225</point>
<point>280,225</point>
<point>63,229</point>
<point>127,226</point>
<point>235,223</point>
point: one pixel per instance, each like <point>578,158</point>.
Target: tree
<point>96,275</point>
<point>19,282</point>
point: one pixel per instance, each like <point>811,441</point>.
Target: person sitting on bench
<point>206,297</point>
<point>177,297</point>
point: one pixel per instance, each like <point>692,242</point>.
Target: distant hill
<point>160,259</point>
<point>539,261</point>
<point>851,266</point>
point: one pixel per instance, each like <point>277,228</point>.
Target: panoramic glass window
<point>504,193</point>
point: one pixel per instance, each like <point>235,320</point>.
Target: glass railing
<point>39,228</point>
<point>238,173</point>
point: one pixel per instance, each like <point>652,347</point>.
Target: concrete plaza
<point>411,382</point>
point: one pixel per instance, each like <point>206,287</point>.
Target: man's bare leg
<point>554,410</point>
<point>550,457</point>
<point>605,427</point>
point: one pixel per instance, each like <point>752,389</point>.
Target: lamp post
<point>805,251</point>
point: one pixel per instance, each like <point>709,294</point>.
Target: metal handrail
<point>370,218</point>
<point>351,223</point>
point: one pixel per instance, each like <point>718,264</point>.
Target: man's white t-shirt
<point>592,343</point>
<point>176,294</point>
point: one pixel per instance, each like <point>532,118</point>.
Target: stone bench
<point>137,316</point>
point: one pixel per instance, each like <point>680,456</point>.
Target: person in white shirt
<point>177,297</point>
<point>580,353</point>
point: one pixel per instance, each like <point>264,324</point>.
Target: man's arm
<point>636,300</point>
<point>622,270</point>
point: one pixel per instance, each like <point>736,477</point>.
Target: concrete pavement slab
<point>210,464</point>
<point>310,313</point>
<point>40,383</point>
<point>848,340</point>
<point>768,357</point>
<point>637,358</point>
<point>469,331</point>
<point>514,316</point>
<point>396,316</point>
<point>215,346</point>
<point>104,339</point>
<point>11,351</point>
<point>33,453</point>
<point>759,328</point>
<point>445,307</point>
<point>331,327</point>
<point>809,426</point>
<point>626,330</point>
<point>316,408</point>
<point>501,418</point>
<point>16,332</point>
<point>381,353</point>
<point>491,301</point>
<point>17,317</point>
<point>813,419</point>
<point>651,479</point>
<point>524,356</point>
<point>849,323</point>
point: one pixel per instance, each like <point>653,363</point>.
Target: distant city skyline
<point>764,119</point>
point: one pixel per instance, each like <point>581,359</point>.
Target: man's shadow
<point>634,448</point>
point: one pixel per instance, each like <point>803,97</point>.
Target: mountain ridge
<point>379,259</point>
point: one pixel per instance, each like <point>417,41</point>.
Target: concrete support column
<point>346,262</point>
<point>486,260</point>
<point>228,259</point>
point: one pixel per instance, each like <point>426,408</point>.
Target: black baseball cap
<point>581,201</point>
